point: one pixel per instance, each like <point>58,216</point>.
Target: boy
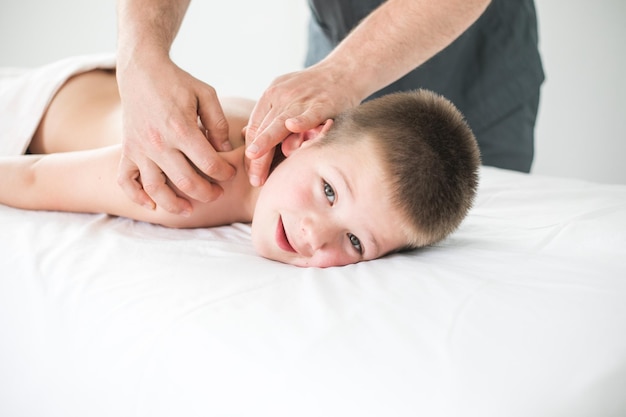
<point>395,173</point>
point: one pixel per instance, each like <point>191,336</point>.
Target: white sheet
<point>25,93</point>
<point>521,312</point>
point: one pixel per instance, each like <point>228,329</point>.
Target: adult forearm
<point>396,38</point>
<point>148,26</point>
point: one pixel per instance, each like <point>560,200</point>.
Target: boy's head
<point>396,172</point>
<point>430,156</point>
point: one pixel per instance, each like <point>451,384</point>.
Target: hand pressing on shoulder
<point>172,128</point>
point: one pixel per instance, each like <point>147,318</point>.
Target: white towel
<point>25,96</point>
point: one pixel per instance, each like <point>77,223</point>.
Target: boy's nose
<point>317,232</point>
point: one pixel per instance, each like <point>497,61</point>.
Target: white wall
<point>236,52</point>
<point>581,131</point>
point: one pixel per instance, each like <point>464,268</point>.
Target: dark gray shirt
<point>489,70</point>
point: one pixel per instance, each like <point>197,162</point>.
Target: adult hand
<point>172,125</point>
<point>360,65</point>
<point>293,103</point>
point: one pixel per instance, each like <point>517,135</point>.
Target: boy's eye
<point>356,243</point>
<point>329,192</point>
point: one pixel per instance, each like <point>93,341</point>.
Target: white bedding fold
<point>25,95</point>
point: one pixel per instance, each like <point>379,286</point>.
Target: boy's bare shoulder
<point>235,205</point>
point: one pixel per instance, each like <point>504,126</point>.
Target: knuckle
<point>252,127</point>
<point>221,124</point>
<point>169,207</point>
<point>184,183</point>
<point>209,89</point>
<point>178,127</point>
<point>208,166</point>
<point>155,139</point>
<point>151,187</point>
<point>271,90</point>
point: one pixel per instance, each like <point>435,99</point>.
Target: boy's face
<point>327,206</point>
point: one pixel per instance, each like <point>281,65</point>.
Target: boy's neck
<point>244,196</point>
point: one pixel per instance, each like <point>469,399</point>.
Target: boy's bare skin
<point>316,209</point>
<point>76,120</point>
<point>91,123</point>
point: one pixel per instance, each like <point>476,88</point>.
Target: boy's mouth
<point>281,237</point>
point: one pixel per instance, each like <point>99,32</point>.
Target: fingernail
<point>186,213</point>
<point>252,148</point>
<point>255,181</point>
<point>227,146</point>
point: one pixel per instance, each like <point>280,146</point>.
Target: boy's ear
<point>295,141</point>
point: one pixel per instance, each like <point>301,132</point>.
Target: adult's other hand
<point>293,103</point>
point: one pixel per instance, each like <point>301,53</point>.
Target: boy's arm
<point>85,182</point>
<point>82,181</point>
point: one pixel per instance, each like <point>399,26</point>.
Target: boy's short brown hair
<point>429,152</point>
